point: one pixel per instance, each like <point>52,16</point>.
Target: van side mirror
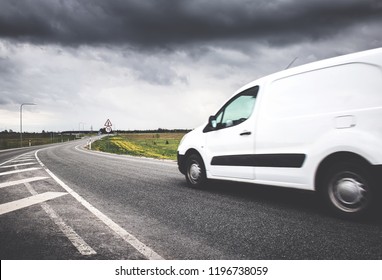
<point>212,121</point>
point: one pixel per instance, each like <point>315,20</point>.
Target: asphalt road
<point>120,207</point>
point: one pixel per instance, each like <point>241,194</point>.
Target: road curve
<point>149,200</point>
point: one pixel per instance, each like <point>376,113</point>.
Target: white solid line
<point>29,201</point>
<point>19,170</point>
<point>128,237</point>
<point>19,164</point>
<point>67,230</point>
<point>18,182</point>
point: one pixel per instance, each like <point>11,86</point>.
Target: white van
<point>315,127</point>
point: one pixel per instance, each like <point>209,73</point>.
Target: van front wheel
<point>348,190</point>
<point>195,171</point>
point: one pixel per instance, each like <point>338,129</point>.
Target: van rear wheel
<point>348,190</point>
<point>195,171</point>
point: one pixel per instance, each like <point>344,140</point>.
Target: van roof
<point>364,56</point>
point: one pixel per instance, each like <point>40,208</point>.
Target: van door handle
<point>245,133</point>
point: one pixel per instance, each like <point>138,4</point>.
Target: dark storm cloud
<point>163,23</point>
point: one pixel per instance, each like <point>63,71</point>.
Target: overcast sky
<point>147,64</point>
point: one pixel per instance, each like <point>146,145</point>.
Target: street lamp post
<point>21,122</point>
<point>79,128</point>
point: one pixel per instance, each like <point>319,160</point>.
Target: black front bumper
<point>181,163</point>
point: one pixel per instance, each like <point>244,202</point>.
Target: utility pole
<point>21,122</point>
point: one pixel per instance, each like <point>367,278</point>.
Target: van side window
<point>238,109</point>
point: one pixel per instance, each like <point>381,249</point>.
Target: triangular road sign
<point>108,123</point>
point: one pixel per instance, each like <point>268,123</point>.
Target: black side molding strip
<point>261,160</point>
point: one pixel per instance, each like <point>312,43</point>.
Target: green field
<point>9,140</point>
<point>153,145</point>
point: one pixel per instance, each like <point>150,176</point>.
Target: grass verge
<point>10,140</point>
<point>153,145</point>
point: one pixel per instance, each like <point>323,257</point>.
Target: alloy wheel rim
<point>194,172</point>
<point>349,192</point>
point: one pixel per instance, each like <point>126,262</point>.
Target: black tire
<point>348,190</point>
<point>195,171</point>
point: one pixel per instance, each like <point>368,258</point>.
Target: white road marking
<point>20,158</point>
<point>67,230</point>
<point>36,198</point>
<point>29,201</point>
<point>17,165</point>
<point>23,160</point>
<point>18,182</point>
<point>19,171</point>
<point>10,160</point>
<point>128,237</point>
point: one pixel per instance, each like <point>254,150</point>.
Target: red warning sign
<point>108,123</point>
